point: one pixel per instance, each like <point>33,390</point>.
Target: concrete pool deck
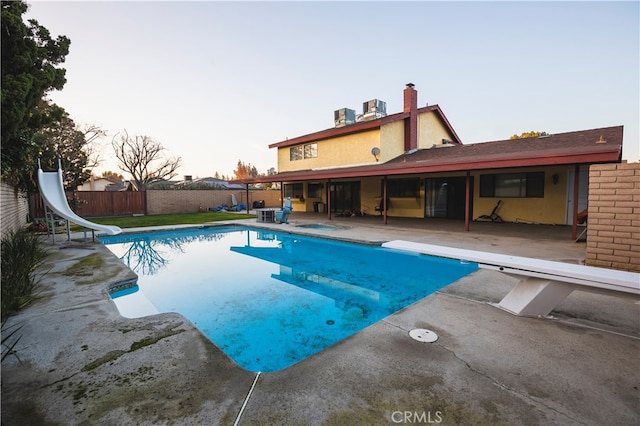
<point>79,362</point>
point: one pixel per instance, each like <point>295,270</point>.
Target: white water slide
<point>52,191</point>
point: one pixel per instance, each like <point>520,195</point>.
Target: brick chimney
<point>411,122</point>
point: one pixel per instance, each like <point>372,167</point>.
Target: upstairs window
<point>311,150</point>
<point>295,153</point>
<point>299,152</point>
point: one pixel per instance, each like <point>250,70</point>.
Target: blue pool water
<point>271,299</point>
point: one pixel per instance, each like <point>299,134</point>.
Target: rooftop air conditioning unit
<point>344,116</point>
<point>373,109</point>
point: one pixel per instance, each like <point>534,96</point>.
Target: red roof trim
<point>330,133</point>
<point>364,126</point>
<point>578,147</point>
<point>452,166</point>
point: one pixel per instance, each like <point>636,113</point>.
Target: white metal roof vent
<point>423,335</point>
<point>344,116</point>
<point>373,109</point>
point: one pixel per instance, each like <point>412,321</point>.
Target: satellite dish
<point>375,151</point>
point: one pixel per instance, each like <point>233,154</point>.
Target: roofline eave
<point>364,126</point>
<point>396,169</point>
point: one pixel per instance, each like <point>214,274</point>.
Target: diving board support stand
<point>535,296</point>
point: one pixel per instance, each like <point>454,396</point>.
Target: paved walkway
<point>80,362</point>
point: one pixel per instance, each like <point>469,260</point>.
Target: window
<point>311,150</point>
<point>315,190</point>
<point>299,152</point>
<point>293,190</point>
<point>403,188</point>
<point>512,185</point>
<point>295,153</point>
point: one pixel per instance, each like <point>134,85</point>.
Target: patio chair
<point>380,207</point>
<point>493,217</point>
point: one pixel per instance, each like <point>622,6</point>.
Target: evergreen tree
<point>30,60</point>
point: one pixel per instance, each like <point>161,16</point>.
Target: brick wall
<point>613,239</point>
<point>14,209</point>
<point>189,201</point>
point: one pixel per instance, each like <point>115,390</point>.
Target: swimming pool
<point>270,299</point>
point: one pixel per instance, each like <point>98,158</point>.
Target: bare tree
<point>143,158</point>
<point>92,134</point>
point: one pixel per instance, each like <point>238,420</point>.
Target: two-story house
<point>412,164</point>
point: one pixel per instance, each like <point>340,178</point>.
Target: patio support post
<point>281,194</point>
<point>576,193</point>
<point>248,205</point>
<point>466,201</point>
<point>328,192</point>
<point>384,200</point>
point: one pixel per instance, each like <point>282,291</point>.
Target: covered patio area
<point>504,237</point>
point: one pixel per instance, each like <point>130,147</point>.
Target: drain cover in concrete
<point>423,335</point>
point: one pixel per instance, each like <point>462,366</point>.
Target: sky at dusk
<point>217,82</point>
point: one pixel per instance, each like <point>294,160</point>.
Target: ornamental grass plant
<point>22,253</point>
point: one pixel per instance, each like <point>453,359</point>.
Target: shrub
<point>22,253</point>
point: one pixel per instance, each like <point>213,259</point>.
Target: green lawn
<point>165,219</point>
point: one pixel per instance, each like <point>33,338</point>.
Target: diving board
<point>543,285</point>
<point>52,191</point>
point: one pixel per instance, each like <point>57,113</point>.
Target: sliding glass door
<point>445,197</point>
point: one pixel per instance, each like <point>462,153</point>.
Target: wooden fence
<point>97,203</point>
<point>107,203</point>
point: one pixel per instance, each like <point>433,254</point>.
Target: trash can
<point>320,207</point>
<point>315,206</point>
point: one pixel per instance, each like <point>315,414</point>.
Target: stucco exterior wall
<point>15,209</point>
<point>613,235</point>
<point>391,141</point>
<point>355,149</point>
<point>306,205</point>
<point>341,151</point>
<point>550,209</point>
<point>370,195</point>
<point>431,130</point>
